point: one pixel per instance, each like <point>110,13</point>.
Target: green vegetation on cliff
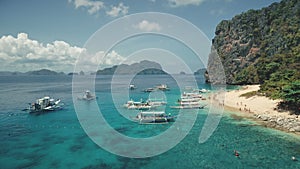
<point>263,47</point>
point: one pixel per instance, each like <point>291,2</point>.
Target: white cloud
<point>92,6</point>
<point>23,54</point>
<point>148,26</point>
<point>115,11</point>
<point>178,3</point>
<point>110,59</point>
<point>92,62</point>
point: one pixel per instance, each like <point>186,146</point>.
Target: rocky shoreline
<point>290,124</point>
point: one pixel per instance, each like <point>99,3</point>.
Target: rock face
<point>241,41</point>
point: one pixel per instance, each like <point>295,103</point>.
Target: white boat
<point>153,117</point>
<point>155,102</point>
<point>163,87</point>
<point>45,104</point>
<point>201,90</point>
<point>191,95</point>
<point>132,87</point>
<point>141,105</point>
<point>149,90</point>
<point>138,105</point>
<point>188,106</point>
<point>189,101</point>
<point>87,96</point>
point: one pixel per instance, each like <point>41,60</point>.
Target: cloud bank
<point>23,54</point>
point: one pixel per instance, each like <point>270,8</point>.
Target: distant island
<point>152,68</point>
<point>45,72</point>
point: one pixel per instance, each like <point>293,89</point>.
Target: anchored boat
<point>45,104</point>
<point>87,96</point>
<point>144,105</point>
<point>148,117</point>
<point>189,101</point>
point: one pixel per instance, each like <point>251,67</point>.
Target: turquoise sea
<point>57,140</point>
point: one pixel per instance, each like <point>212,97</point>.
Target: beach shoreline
<point>259,109</point>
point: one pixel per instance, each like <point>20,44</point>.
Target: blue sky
<point>56,30</point>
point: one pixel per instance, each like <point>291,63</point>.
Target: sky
<point>53,34</point>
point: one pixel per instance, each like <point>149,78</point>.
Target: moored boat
<point>148,117</point>
<point>132,87</point>
<point>144,105</point>
<point>149,90</point>
<point>87,96</point>
<point>45,104</point>
<point>163,87</point>
<point>188,106</point>
<point>189,101</point>
<point>138,105</point>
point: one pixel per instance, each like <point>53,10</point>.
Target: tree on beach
<point>291,96</point>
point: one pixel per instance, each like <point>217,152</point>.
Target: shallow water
<point>57,140</point>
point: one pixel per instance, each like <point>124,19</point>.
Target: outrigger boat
<point>155,102</point>
<point>141,105</point>
<point>132,87</point>
<point>137,105</point>
<point>191,95</point>
<point>153,117</point>
<point>149,90</point>
<point>189,101</point>
<point>188,106</point>
<point>163,87</point>
<point>87,96</point>
<point>45,104</point>
<point>201,90</point>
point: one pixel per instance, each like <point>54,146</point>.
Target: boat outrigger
<point>45,104</point>
<point>149,117</point>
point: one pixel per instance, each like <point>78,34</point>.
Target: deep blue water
<point>57,140</point>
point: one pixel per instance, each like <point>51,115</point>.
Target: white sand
<point>254,104</point>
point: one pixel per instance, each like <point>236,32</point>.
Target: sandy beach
<point>260,108</point>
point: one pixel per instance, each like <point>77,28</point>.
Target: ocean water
<point>57,140</point>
